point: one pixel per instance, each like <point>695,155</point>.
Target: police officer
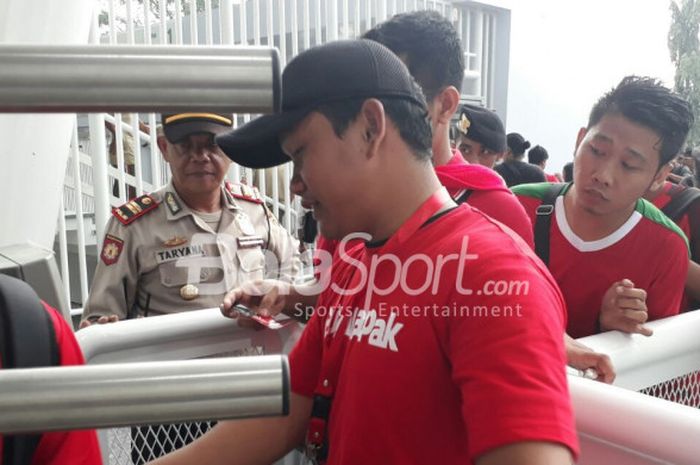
<point>183,246</point>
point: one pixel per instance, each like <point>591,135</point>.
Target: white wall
<point>565,55</point>
<point>34,148</point>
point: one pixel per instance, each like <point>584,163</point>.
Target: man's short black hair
<point>537,154</point>
<point>411,121</point>
<point>647,102</point>
<point>568,172</point>
<point>429,45</point>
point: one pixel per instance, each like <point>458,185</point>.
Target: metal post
<point>63,250</point>
<point>79,215</point>
<point>98,153</point>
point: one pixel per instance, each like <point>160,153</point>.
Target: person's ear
<point>661,176</point>
<point>163,146</point>
<point>373,120</point>
<point>579,138</point>
<point>445,104</point>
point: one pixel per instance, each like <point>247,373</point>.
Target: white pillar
<point>34,148</point>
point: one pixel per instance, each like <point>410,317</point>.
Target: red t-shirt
<point>436,375</point>
<point>489,194</point>
<point>550,178</point>
<point>69,447</point>
<point>648,249</point>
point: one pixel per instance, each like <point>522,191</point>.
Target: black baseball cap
<point>180,125</point>
<point>328,73</point>
<point>483,126</point>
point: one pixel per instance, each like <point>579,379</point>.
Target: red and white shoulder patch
<point>244,192</point>
<point>111,249</point>
<point>136,208</point>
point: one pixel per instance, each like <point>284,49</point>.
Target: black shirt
<point>516,172</point>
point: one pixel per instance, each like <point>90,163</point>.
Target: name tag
<point>246,242</point>
<point>244,224</point>
<point>168,255</point>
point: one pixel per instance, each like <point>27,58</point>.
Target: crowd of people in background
<point>486,129</point>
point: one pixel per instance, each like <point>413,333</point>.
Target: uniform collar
<point>176,208</point>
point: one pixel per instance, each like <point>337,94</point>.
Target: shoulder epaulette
<point>135,208</point>
<point>244,192</point>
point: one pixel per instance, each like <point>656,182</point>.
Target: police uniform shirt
<point>160,257</point>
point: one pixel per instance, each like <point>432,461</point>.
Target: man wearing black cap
<point>354,123</point>
<point>430,47</point>
<point>481,137</point>
<point>183,246</point>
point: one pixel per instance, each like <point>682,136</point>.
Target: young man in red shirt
<point>618,261</point>
<point>429,45</point>
<point>393,368</point>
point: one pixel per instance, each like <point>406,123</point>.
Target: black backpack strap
<point>680,202</point>
<point>27,340</point>
<point>543,220</point>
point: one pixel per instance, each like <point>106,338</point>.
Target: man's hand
<point>624,308</point>
<point>100,321</point>
<point>264,297</point>
<point>584,358</point>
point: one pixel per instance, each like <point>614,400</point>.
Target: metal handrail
<point>193,334</point>
<point>624,424</point>
<point>640,361</point>
<point>79,397</point>
<point>123,78</point>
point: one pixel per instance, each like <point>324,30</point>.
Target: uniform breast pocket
<point>251,263</point>
<point>172,275</point>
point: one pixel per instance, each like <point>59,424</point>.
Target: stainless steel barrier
<point>79,78</point>
<point>180,336</point>
<point>657,425</point>
<point>617,426</point>
<point>46,399</point>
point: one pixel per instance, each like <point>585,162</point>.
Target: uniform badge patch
<point>464,124</point>
<point>111,249</point>
<point>172,203</point>
<point>175,241</point>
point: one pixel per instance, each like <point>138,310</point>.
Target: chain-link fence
<point>138,445</point>
<point>684,390</point>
